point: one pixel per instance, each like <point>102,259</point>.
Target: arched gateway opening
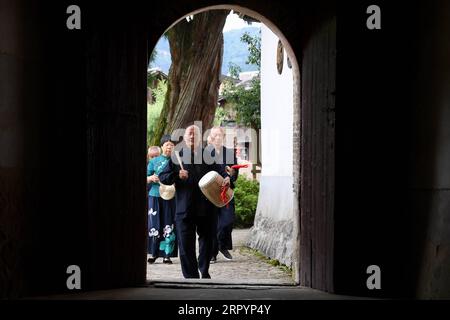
<point>281,228</point>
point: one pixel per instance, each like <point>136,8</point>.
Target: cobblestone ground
<point>244,268</point>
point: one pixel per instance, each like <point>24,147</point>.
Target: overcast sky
<point>234,22</point>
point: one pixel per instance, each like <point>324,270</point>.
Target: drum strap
<point>223,194</point>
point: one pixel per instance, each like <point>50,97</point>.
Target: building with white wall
<point>272,232</point>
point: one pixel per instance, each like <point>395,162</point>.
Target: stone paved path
<point>244,268</point>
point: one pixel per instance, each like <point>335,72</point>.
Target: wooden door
<point>116,155</point>
<point>317,157</point>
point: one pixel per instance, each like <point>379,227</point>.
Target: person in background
<point>225,218</point>
<point>153,152</point>
<point>161,213</point>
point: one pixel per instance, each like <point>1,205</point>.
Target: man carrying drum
<point>194,212</point>
<point>227,158</point>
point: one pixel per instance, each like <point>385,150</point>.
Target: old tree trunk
<point>196,48</point>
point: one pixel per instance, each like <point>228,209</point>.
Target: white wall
<point>276,109</point>
<point>272,231</point>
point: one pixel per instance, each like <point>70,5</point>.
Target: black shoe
<point>167,261</point>
<point>213,260</point>
<point>226,254</point>
<point>151,260</point>
<point>206,276</point>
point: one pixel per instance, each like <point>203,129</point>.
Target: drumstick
<point>179,160</point>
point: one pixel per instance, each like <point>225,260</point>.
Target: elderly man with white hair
<point>194,212</point>
<point>225,219</point>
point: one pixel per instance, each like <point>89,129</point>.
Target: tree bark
<point>196,48</point>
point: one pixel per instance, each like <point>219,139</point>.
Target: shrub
<point>246,200</point>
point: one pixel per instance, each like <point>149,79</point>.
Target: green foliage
<point>274,262</point>
<point>254,48</point>
<point>220,115</point>
<point>261,256</point>
<point>247,102</point>
<point>246,200</point>
<point>154,110</point>
<point>234,70</point>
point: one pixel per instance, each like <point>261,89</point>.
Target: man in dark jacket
<point>194,212</point>
<point>225,218</point>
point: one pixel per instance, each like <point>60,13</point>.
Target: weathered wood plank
<point>116,157</point>
<point>317,154</point>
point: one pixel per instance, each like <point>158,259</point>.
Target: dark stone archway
<point>87,180</point>
<point>73,144</point>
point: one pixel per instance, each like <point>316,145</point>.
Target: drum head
<point>208,178</point>
<point>211,186</point>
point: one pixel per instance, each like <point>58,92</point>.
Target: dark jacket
<point>227,157</point>
<point>189,198</point>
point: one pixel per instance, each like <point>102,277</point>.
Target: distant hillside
<point>234,51</point>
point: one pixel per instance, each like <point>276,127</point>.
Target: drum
<point>211,186</point>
